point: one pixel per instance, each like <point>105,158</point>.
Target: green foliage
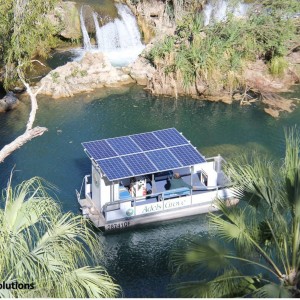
<point>25,31</point>
<point>218,53</point>
<point>55,76</point>
<point>261,235</point>
<point>41,245</point>
<point>161,50</point>
<point>277,65</point>
<point>83,73</point>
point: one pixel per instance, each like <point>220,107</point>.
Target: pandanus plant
<point>258,248</point>
<point>51,251</point>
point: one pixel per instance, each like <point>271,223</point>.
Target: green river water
<point>137,258</point>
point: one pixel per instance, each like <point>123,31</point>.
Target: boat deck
<point>90,211</point>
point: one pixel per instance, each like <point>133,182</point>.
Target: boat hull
<point>99,221</point>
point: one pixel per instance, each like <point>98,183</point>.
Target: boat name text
<point>167,204</point>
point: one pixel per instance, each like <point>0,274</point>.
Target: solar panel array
<point>144,153</point>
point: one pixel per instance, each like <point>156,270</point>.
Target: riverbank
<point>171,62</point>
<point>180,61</point>
<point>213,62</point>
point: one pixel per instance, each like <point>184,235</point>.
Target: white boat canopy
<point>141,154</point>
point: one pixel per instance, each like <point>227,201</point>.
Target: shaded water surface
<point>137,258</point>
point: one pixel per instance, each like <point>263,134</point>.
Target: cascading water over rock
<point>119,39</point>
<point>217,10</point>
<point>86,39</point>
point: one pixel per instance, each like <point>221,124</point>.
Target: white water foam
<point>218,10</point>
<point>119,39</point>
<point>86,39</point>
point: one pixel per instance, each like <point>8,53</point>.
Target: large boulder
<point>8,102</point>
<point>66,17</point>
<point>93,71</point>
<point>140,70</point>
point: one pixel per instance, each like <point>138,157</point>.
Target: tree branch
<point>30,132</point>
<point>20,141</point>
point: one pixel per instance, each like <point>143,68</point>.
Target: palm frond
<point>264,227</point>
<point>230,284</point>
<point>88,282</point>
<point>234,224</point>
<point>291,168</point>
<point>39,244</point>
<point>191,289</point>
<point>26,203</point>
<point>199,254</point>
<point>257,176</point>
<point>272,291</point>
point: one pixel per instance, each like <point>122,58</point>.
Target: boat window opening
<point>204,177</point>
<point>110,207</point>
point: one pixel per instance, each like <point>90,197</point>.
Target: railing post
<point>134,206</point>
<point>219,163</point>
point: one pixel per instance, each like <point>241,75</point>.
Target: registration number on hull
<point>119,225</point>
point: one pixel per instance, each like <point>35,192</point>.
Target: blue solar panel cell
<point>187,155</point>
<point>114,168</point>
<point>124,145</point>
<point>139,164</point>
<point>147,141</point>
<point>163,159</point>
<point>144,153</point>
<point>171,137</point>
<point>99,149</point>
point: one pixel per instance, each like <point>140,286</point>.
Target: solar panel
<point>124,145</point>
<point>171,137</point>
<point>99,149</point>
<point>139,164</point>
<point>114,168</point>
<point>163,159</point>
<point>144,153</point>
<point>187,155</point>
<point>147,141</point>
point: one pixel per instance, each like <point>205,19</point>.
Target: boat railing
<point>161,197</point>
<point>83,184</point>
<point>218,162</point>
<point>85,189</point>
<point>207,188</point>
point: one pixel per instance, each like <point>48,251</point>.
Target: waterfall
<point>130,26</point>
<point>207,11</point>
<point>86,39</point>
<point>119,39</point>
<point>217,11</point>
<point>97,27</point>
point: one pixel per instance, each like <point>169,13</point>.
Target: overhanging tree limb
<point>20,141</point>
<point>30,132</point>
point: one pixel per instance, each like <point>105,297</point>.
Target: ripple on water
<point>140,262</point>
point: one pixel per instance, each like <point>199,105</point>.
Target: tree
<point>30,132</point>
<point>50,251</point>
<point>260,253</point>
<point>25,31</point>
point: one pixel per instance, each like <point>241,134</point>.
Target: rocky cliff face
<point>152,18</point>
<point>66,17</point>
<point>257,79</point>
